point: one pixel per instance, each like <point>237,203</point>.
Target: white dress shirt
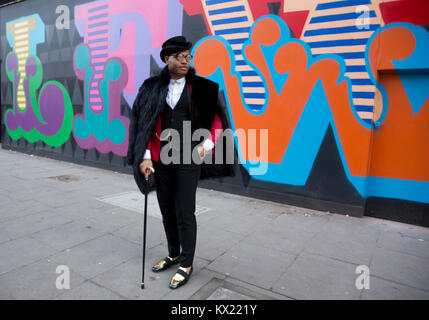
<point>175,89</point>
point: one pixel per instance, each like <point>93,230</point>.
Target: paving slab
<point>35,281</point>
<point>89,291</point>
<point>405,269</point>
<point>20,252</point>
<point>319,278</point>
<point>97,255</point>
<point>253,264</point>
<point>380,289</point>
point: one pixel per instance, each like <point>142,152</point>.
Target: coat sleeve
<point>133,126</point>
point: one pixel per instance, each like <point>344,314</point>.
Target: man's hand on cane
<point>146,168</point>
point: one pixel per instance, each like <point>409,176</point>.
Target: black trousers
<point>176,186</point>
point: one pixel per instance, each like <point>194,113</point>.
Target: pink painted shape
<point>128,45</point>
<point>154,13</point>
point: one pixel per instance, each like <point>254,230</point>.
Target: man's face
<point>178,64</point>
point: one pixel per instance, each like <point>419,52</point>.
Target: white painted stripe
<point>24,50</point>
<point>243,68</point>
<point>237,46</point>
<point>354,62</point>
<point>20,31</point>
<point>339,36</point>
<point>340,49</point>
<point>365,115</point>
<point>251,79</point>
<point>363,102</point>
<point>24,36</point>
<point>339,23</point>
<point>228,15</point>
<point>20,24</point>
<point>21,43</point>
<point>357,88</point>
<point>244,35</point>
<point>329,12</point>
<point>223,5</point>
<point>253,90</point>
<point>228,26</point>
<point>357,75</point>
<point>254,101</point>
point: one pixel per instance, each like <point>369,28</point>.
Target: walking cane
<point>144,229</point>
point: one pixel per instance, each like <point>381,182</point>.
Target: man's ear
<point>166,59</point>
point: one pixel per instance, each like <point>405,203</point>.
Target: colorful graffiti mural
<point>46,116</point>
<point>306,94</point>
<point>111,31</point>
<point>301,69</point>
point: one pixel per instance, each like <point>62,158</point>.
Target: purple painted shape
<point>51,104</point>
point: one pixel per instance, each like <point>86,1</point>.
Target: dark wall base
<point>286,198</point>
<point>398,210</point>
<point>85,162</point>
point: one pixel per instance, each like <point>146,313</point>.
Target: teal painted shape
<point>414,70</point>
<point>98,124</point>
<point>417,88</point>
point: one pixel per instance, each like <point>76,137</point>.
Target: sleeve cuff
<point>147,155</point>
<point>208,145</point>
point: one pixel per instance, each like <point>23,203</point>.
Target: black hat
<point>173,45</point>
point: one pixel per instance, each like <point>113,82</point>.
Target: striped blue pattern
<point>227,26</point>
<point>351,39</point>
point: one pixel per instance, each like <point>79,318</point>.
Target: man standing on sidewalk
<point>164,104</point>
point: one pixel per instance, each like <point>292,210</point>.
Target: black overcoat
<point>147,107</point>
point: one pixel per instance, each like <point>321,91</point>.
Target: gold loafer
<point>180,278</point>
<point>164,264</point>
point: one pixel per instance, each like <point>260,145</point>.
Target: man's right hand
<point>145,167</point>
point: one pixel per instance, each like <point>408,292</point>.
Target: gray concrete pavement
<point>54,213</point>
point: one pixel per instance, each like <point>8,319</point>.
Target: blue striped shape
<point>237,52</point>
<point>351,55</point>
<point>96,56</point>
<point>226,10</point>
<point>248,73</point>
<point>96,104</point>
<point>363,95</point>
<point>96,33</point>
<point>232,30</point>
<point>99,72</point>
<point>240,63</point>
<point>94,88</point>
<point>99,16</point>
<point>341,4</point>
<point>237,41</point>
<point>254,95</point>
<point>342,16</point>
<point>98,8</point>
<point>364,108</point>
<point>367,120</point>
<point>355,69</point>
<point>99,48</point>
<point>99,24</point>
<point>229,20</point>
<point>97,40</point>
<point>212,2</point>
<point>253,84</point>
<point>98,64</point>
<point>337,30</point>
<point>94,96</point>
<point>361,82</point>
<point>338,43</point>
<point>255,106</point>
